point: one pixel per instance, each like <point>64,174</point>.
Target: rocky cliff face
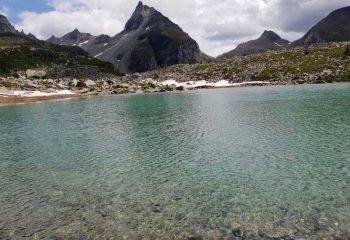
<point>149,40</point>
<point>5,25</point>
<point>9,31</point>
<point>334,28</point>
<point>74,38</point>
<point>269,40</point>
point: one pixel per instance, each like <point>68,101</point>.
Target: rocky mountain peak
<point>270,35</point>
<point>344,10</point>
<point>74,38</point>
<point>75,34</point>
<point>148,41</point>
<point>5,25</point>
<point>333,28</point>
<point>139,5</point>
<point>141,13</point>
<point>269,40</point>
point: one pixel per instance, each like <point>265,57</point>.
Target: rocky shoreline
<point>19,90</point>
<point>325,63</point>
<point>15,100</point>
<point>22,87</point>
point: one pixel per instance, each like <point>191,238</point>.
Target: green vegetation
<point>324,63</point>
<point>9,85</point>
<point>347,50</point>
<point>18,55</point>
<point>289,62</point>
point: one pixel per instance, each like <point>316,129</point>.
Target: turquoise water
<point>216,163</point>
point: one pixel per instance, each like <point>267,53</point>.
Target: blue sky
<point>14,7</point>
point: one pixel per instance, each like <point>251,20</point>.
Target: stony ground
<point>319,64</point>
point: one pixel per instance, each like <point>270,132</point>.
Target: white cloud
<point>4,11</point>
<point>216,25</point>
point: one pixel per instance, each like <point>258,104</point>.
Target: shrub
<point>347,50</point>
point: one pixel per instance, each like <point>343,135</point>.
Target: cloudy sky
<point>217,25</point>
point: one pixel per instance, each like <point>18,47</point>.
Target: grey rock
<point>32,86</point>
<point>73,82</point>
<point>90,83</point>
<point>82,91</point>
<point>171,87</point>
<point>36,73</point>
<point>86,84</point>
<point>5,25</point>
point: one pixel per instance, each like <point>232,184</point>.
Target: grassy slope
<point>276,64</point>
<point>18,54</point>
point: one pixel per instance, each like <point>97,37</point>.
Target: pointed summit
<point>270,35</point>
<point>269,40</point>
<point>139,5</point>
<point>148,41</point>
<point>5,25</point>
<point>138,17</point>
<point>74,38</point>
<point>52,39</point>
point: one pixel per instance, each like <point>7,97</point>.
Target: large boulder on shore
<point>86,84</point>
<point>36,73</point>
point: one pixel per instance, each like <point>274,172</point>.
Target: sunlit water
<point>216,163</point>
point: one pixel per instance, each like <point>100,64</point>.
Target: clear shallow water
<point>272,160</point>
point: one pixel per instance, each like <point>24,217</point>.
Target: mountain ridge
<point>269,40</point>
<point>333,28</point>
<point>6,26</point>
<point>149,40</point>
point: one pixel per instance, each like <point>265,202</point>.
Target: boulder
<point>151,83</point>
<point>125,85</point>
<point>36,73</point>
<point>32,85</point>
<point>171,87</point>
<point>180,88</point>
<point>85,84</point>
<point>103,85</point>
<point>82,91</point>
<point>16,75</point>
<point>90,83</point>
<point>73,82</point>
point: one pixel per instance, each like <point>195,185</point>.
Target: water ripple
<point>272,160</point>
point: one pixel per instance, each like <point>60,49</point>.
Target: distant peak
<point>138,16</point>
<point>76,30</point>
<point>140,4</point>
<point>270,35</point>
<point>5,25</point>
